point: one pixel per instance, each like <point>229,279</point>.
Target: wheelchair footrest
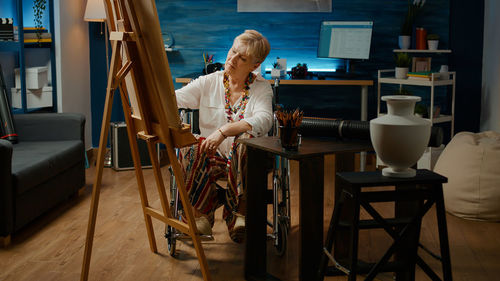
<point>183,236</point>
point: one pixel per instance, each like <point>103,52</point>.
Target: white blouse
<point>206,93</point>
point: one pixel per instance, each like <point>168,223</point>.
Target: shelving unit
<point>18,48</point>
<point>422,51</point>
<point>387,77</point>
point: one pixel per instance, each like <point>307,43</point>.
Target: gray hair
<point>256,44</point>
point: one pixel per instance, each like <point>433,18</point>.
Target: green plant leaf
<point>38,9</point>
<point>402,59</point>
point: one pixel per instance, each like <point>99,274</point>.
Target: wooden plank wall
<point>209,26</point>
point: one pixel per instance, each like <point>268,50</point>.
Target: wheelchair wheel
<point>282,237</point>
<point>170,234</point>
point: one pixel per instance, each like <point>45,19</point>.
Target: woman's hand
<point>212,142</point>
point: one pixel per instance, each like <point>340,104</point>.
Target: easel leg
<point>138,170</point>
<point>94,203</point>
<point>188,212</point>
<point>159,179</point>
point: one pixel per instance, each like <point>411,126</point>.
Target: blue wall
<point>98,81</point>
<point>209,26</point>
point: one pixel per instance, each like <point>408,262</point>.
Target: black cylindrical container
<point>351,129</point>
<point>8,131</point>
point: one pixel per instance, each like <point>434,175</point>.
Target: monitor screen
<point>345,39</point>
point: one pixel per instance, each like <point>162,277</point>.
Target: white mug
<point>444,72</point>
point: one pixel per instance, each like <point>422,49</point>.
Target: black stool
<point>413,197</point>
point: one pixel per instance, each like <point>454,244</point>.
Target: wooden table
<point>310,155</point>
<point>314,81</point>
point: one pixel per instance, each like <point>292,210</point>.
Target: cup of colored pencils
<point>289,122</point>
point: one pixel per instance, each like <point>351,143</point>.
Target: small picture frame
<point>420,64</point>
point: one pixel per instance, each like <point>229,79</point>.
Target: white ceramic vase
<point>400,137</point>
<point>275,73</point>
<point>401,72</point>
<point>404,41</point>
<point>433,44</point>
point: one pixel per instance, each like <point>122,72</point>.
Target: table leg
<point>443,233</point>
<point>310,216</point>
<point>255,220</point>
<point>364,117</point>
<point>344,162</point>
<point>407,250</point>
<point>364,103</point>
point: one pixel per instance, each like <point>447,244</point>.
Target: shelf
<point>13,46</point>
<point>170,49</point>
<point>22,50</point>
<point>441,119</point>
<point>9,46</point>
<point>422,51</point>
<point>392,80</point>
<point>37,45</point>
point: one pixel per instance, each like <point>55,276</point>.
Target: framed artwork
<point>420,64</point>
<point>318,6</point>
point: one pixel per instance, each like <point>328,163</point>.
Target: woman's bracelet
<point>220,131</point>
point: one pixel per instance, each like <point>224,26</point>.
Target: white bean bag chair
<point>471,162</point>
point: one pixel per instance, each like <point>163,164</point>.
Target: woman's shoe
<point>237,233</point>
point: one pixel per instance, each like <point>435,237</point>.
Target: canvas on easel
<point>139,69</point>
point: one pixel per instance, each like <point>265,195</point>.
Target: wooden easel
<point>139,68</point>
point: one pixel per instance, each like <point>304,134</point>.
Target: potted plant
<point>276,70</point>
<point>432,41</point>
<point>407,26</point>
<point>402,91</point>
<point>38,9</point>
<point>299,71</point>
<point>403,61</point>
<point>421,110</point>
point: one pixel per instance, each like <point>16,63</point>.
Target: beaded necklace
<point>244,98</point>
<point>242,105</point>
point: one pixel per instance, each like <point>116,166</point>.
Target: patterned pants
<point>201,173</point>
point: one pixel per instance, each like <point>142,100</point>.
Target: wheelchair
<point>280,219</point>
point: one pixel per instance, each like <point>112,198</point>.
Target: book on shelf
<point>43,40</point>
<point>419,78</point>
<point>36,35</point>
<point>422,75</point>
<point>34,29</point>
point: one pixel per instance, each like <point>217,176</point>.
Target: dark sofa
<point>44,168</point>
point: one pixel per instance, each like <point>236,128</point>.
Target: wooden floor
<point>51,248</point>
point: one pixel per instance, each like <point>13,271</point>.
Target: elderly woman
<point>233,103</point>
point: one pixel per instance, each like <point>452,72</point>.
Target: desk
<point>313,81</point>
<point>310,156</point>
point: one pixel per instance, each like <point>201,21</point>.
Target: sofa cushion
<point>37,161</point>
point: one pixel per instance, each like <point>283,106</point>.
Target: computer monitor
<point>345,40</point>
